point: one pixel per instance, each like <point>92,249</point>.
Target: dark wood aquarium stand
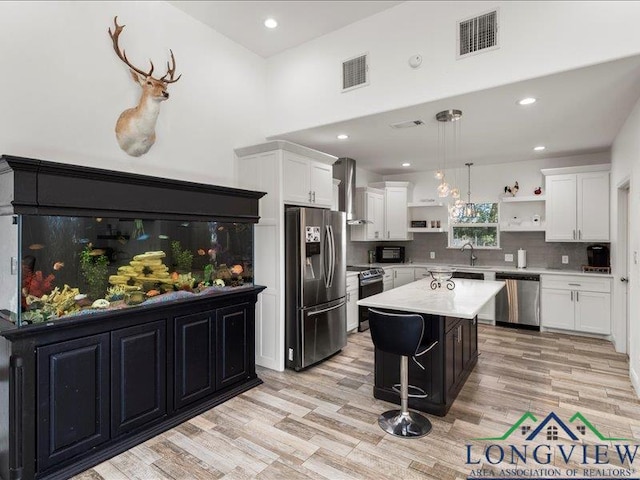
<point>78,391</point>
<point>447,365</point>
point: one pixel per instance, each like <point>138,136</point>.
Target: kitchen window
<point>481,230</point>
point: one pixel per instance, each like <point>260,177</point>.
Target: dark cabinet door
<point>138,371</point>
<point>473,338</point>
<point>450,360</point>
<point>233,364</point>
<point>72,396</point>
<point>194,357</point>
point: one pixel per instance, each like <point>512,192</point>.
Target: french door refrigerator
<point>315,285</point>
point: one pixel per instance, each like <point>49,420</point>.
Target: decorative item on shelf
<point>135,128</point>
<point>538,191</point>
<point>536,219</point>
<point>515,221</point>
<point>512,190</point>
<point>419,223</point>
<point>592,269</point>
<point>444,117</point>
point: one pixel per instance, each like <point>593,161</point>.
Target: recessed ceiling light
<point>343,136</point>
<point>539,148</point>
<point>270,23</point>
<point>527,101</point>
<point>406,164</point>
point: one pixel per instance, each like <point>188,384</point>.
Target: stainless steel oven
<point>370,282</point>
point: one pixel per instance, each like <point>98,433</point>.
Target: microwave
<point>386,254</point>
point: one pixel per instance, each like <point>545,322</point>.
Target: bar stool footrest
<point>417,391</point>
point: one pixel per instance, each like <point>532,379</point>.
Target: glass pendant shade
<point>439,174</point>
<point>455,192</point>
<point>443,189</point>
<point>469,210</point>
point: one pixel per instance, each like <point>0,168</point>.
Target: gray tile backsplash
<point>539,252</point>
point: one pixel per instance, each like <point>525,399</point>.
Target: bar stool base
<point>407,425</point>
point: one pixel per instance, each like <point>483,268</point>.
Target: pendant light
<point>444,117</point>
<point>469,208</point>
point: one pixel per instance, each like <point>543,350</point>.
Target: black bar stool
<point>402,334</point>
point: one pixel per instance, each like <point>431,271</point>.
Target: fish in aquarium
<point>201,252</point>
<point>36,246</point>
<point>58,266</point>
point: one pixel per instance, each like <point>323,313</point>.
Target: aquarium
<point>64,266</point>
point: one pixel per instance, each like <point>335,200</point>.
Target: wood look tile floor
<point>322,423</point>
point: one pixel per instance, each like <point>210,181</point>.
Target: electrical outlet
<point>508,257</point>
<point>432,255</point>
<point>565,259</point>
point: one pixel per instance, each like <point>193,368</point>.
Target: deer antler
<point>171,71</point>
<point>122,55</point>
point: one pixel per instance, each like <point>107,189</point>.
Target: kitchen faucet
<point>472,258</point>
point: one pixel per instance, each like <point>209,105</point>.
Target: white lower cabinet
<point>387,280</point>
<point>420,273</point>
<point>352,303</point>
<point>402,276</point>
<point>577,303</point>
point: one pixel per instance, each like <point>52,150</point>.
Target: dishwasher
<point>518,303</point>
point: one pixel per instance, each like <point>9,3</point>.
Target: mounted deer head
<point>135,128</point>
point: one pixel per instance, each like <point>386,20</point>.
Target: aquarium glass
<point>75,266</point>
<point>10,264</point>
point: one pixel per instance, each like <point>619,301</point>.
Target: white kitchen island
<point>450,317</point>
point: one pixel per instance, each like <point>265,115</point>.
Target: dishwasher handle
<point>518,276</point>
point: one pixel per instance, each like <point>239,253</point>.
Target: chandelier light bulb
<point>455,192</point>
<point>439,175</point>
<point>443,189</point>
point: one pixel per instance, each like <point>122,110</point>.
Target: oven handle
<point>370,281</point>
<point>324,310</point>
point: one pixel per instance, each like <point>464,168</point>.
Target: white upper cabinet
<point>306,181</point>
<point>369,205</point>
<point>577,205</point>
<point>396,213</point>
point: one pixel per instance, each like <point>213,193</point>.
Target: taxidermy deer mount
<point>136,127</point>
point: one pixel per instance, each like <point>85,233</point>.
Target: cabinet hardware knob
<point>624,279</point>
<point>314,197</point>
<point>577,296</point>
<point>579,234</point>
<point>571,295</point>
<point>574,234</point>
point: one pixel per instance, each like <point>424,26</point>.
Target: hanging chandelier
<point>444,117</point>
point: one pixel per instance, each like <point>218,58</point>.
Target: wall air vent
<point>355,72</point>
<point>407,124</point>
<point>478,34</point>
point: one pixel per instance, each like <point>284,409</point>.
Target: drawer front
<point>576,282</point>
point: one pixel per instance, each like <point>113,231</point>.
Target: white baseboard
<point>635,380</point>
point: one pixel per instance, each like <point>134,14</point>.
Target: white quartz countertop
<point>465,301</point>
<point>488,268</point>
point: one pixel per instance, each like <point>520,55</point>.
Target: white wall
<point>365,177</point>
<point>64,88</point>
<point>536,38</point>
<point>625,159</point>
<point>488,181</point>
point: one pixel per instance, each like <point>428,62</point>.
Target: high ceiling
<point>298,21</point>
<point>578,111</point>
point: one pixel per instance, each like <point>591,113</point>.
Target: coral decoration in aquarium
<point>73,266</point>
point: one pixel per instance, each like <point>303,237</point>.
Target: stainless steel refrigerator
<point>315,285</point>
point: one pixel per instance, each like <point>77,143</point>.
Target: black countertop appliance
<point>598,255</point>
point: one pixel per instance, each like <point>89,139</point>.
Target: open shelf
<point>425,230</point>
<point>529,227</point>
<point>530,198</point>
<point>425,204</point>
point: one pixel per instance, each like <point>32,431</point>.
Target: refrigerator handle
<point>325,310</point>
<point>333,255</point>
<point>326,257</point>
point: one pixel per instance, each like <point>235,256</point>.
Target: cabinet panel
<point>593,206</point>
<point>402,276</point>
<point>560,208</point>
<point>321,184</point>
<point>352,309</point>
<point>295,179</point>
<point>450,362</point>
<point>593,312</point>
<point>195,350</point>
<point>396,213</point>
<point>138,376</point>
<point>72,398</point>
<point>233,365</point>
<point>557,310</point>
<point>375,205</point>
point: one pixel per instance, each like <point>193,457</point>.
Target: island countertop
<point>465,301</point>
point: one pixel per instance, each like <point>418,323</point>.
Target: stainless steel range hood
<point>344,169</point>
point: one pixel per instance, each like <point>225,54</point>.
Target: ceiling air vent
<point>407,124</point>
<point>478,34</point>
<point>355,72</point>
